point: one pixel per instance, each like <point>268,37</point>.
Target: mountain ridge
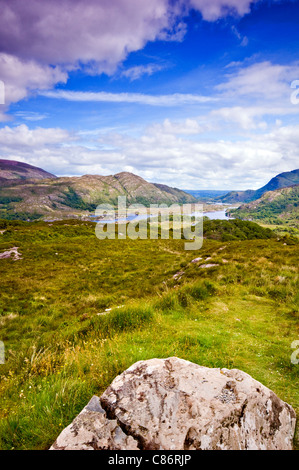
<point>282,180</point>
<point>12,169</point>
<point>77,196</point>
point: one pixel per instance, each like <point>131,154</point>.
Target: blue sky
<point>190,93</point>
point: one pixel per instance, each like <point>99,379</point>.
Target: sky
<point>195,94</point>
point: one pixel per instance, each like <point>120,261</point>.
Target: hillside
<point>237,196</point>
<point>280,206</point>
<point>282,180</point>
<point>76,197</point>
<point>11,170</point>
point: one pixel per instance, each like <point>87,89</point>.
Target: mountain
<point>203,195</point>
<point>74,197</point>
<point>282,180</point>
<point>11,170</point>
<point>280,206</point>
<point>237,196</point>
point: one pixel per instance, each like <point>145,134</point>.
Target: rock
<point>91,430</point>
<point>211,265</point>
<point>12,252</point>
<point>178,275</point>
<point>196,260</point>
<point>173,404</point>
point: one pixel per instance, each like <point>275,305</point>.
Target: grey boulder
<point>173,404</point>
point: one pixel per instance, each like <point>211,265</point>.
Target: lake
<point>213,215</point>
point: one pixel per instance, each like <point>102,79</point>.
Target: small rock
<point>211,265</point>
<point>12,252</point>
<point>178,275</point>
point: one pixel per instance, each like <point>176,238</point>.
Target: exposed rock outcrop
<point>173,404</point>
<point>12,252</point>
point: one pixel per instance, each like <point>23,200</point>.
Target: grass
<point>241,314</point>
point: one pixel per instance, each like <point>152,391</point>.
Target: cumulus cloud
<point>40,42</point>
<point>166,157</point>
<point>212,10</point>
<point>21,77</point>
<point>67,31</point>
<point>20,136</point>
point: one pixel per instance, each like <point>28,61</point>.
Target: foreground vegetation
<point>63,344</point>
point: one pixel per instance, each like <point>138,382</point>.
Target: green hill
<point>280,207</point>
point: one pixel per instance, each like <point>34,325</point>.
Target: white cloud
<point>72,31</point>
<point>22,136</point>
<point>243,39</point>
<point>21,77</point>
<point>134,73</point>
<point>260,80</point>
<point>170,157</point>
<point>212,10</point>
<point>174,99</point>
<point>42,41</point>
<point>185,127</point>
<point>90,34</point>
<point>30,115</point>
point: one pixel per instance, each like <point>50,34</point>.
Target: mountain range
<point>28,192</point>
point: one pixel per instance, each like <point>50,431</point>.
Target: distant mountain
<point>10,170</point>
<point>72,197</point>
<point>280,206</point>
<point>237,196</point>
<point>206,194</point>
<point>282,180</point>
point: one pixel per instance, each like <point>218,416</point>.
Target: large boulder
<point>173,404</point>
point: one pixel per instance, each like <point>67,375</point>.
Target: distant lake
<point>213,215</point>
<point>219,215</point>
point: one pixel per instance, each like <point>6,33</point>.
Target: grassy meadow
<point>63,345</point>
